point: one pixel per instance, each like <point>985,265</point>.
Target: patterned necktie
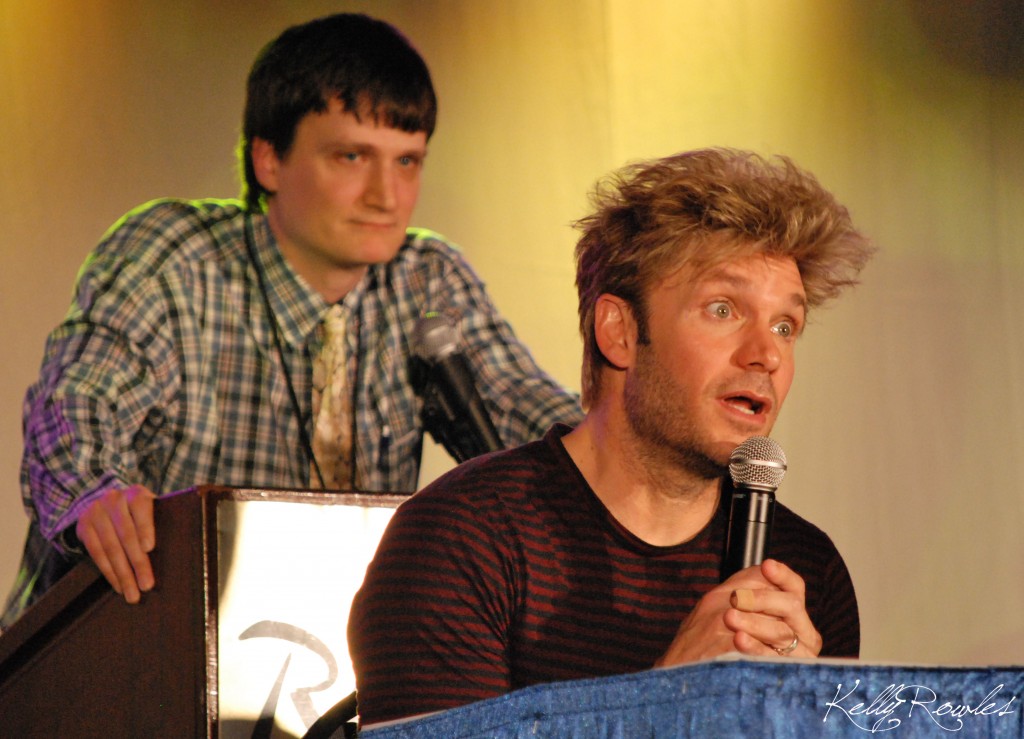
<point>332,431</point>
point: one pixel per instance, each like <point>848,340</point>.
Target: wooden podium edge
<point>181,614</point>
<point>79,588</point>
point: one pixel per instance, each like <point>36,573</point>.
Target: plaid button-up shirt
<point>165,372</point>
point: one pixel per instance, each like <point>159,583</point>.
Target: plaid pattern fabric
<point>164,371</point>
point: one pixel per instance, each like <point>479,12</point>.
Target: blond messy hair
<point>699,209</point>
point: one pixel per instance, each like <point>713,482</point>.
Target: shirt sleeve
<point>107,377</point>
<point>429,628</point>
<point>840,622</point>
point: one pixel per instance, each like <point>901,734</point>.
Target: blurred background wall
<point>905,427</point>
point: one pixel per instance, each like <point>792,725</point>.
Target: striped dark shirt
<point>509,571</point>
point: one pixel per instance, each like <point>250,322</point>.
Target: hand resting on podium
<point>118,532</point>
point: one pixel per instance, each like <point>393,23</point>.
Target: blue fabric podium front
<point>745,698</point>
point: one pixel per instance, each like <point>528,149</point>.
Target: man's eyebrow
<point>723,275</point>
<point>799,300</point>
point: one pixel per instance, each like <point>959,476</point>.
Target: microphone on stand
<point>453,410</point>
<point>756,467</point>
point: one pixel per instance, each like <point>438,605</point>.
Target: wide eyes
<point>719,309</point>
<point>723,310</point>
<point>785,329</point>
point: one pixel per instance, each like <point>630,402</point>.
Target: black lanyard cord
<point>272,320</point>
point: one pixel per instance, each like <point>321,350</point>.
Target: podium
<point>752,698</point>
<point>243,635</point>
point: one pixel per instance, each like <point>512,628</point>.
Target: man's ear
<point>265,164</point>
<point>615,330</point>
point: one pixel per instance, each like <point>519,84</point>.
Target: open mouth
<point>745,404</point>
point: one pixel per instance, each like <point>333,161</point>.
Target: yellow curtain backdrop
<point>907,416</point>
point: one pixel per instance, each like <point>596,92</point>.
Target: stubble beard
<point>666,434</point>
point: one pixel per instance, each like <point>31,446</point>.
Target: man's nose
<point>759,349</point>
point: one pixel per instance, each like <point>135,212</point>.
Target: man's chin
<point>380,253</point>
<point>720,450</point>
<point>732,438</point>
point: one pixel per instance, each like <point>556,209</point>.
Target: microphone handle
<point>458,384</point>
<point>750,528</point>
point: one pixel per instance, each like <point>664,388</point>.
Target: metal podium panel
<point>287,573</point>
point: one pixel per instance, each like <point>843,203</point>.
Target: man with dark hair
<point>598,550</point>
<point>212,341</point>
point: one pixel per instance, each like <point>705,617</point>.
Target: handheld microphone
<point>756,467</point>
<point>465,428</point>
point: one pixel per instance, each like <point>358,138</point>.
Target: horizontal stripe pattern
<point>509,571</point>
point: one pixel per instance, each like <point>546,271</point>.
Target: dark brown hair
<point>366,64</point>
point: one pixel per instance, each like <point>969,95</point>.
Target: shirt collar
<point>297,307</point>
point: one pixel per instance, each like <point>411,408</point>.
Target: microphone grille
<point>759,463</point>
<point>434,337</point>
